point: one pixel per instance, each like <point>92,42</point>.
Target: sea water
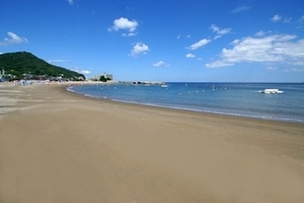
<point>236,99</point>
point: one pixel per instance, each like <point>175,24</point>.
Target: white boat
<point>271,91</point>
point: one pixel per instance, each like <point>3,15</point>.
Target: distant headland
<point>26,66</point>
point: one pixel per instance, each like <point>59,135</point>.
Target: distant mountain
<point>25,64</point>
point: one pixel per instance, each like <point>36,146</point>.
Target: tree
<point>103,78</point>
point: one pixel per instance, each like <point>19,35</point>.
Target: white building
<point>110,76</point>
<point>2,74</point>
<point>97,77</point>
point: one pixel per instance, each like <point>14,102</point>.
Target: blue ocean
<point>236,99</point>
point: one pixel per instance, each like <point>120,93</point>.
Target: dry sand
<point>56,146</point>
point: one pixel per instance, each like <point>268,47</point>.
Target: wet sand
<point>57,146</point>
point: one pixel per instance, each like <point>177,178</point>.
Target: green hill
<point>25,64</point>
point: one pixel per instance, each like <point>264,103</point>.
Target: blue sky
<point>163,40</point>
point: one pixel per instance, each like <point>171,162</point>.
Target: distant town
<point>39,78</point>
<point>44,79</point>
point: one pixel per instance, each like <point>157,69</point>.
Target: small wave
<point>71,90</point>
<point>263,117</point>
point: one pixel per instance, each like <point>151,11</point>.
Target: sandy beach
<point>57,146</point>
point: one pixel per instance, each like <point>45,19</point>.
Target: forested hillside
<point>25,64</point>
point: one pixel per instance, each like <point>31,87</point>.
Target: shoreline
<point>71,148</point>
<point>229,114</point>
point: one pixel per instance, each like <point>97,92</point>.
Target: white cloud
<point>71,2</point>
<point>199,44</point>
<point>298,63</point>
<point>276,18</point>
<point>260,33</point>
<point>271,68</point>
<point>130,34</point>
<point>14,39</point>
<point>220,32</point>
<point>139,48</point>
<point>273,48</point>
<point>124,24</point>
<point>57,61</point>
<point>240,9</point>
<point>187,36</point>
<point>301,20</point>
<point>287,20</point>
<point>160,63</point>
<point>85,71</point>
<point>190,55</point>
<point>293,69</point>
<point>81,71</point>
<point>217,64</point>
